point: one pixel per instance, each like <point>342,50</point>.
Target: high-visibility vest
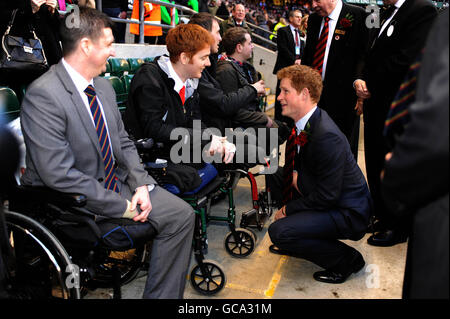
<point>152,13</point>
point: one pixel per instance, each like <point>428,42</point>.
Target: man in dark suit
<point>337,55</point>
<point>416,176</point>
<point>325,195</point>
<point>290,49</point>
<point>76,143</point>
<point>392,49</point>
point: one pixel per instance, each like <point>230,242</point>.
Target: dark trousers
<point>311,235</point>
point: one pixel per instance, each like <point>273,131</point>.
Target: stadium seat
<point>126,79</point>
<point>9,104</point>
<point>119,88</point>
<point>149,60</point>
<point>119,66</point>
<point>135,63</point>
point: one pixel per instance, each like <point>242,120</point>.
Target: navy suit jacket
<point>329,178</point>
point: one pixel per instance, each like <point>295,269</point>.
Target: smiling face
<point>100,50</point>
<point>197,63</point>
<point>215,32</point>
<point>239,13</point>
<point>291,100</point>
<point>296,19</point>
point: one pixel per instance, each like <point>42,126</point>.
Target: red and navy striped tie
<point>320,48</point>
<point>103,139</point>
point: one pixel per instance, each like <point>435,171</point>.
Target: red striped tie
<point>320,48</point>
<point>103,139</point>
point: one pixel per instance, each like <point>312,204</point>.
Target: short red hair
<point>187,38</point>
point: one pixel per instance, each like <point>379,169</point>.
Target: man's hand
<point>281,213</point>
<point>142,198</point>
<point>51,4</point>
<point>229,150</point>
<point>260,88</point>
<point>123,15</point>
<point>359,106</point>
<point>216,145</point>
<point>295,181</point>
<point>36,5</point>
<point>298,61</point>
<point>361,89</point>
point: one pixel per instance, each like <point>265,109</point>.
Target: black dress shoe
<point>387,238</point>
<point>333,276</point>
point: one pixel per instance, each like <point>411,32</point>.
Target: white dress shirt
<point>297,48</point>
<point>334,17</point>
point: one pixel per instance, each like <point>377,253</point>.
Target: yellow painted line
<point>275,278</point>
<point>244,288</point>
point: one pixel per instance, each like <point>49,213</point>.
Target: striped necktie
<point>319,55</point>
<point>103,139</point>
<point>288,169</point>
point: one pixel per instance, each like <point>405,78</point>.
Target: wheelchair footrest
<point>253,219</point>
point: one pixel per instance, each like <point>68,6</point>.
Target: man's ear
<point>85,44</point>
<point>184,58</point>
<point>305,93</point>
<point>238,48</point>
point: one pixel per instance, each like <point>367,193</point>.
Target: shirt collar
<point>292,27</point>
<point>80,82</point>
<point>334,15</point>
<point>174,76</point>
<point>302,122</point>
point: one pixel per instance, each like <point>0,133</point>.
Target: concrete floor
<point>263,275</point>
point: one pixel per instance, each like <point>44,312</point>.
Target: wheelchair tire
<point>129,262</point>
<point>243,245</point>
<point>208,278</point>
<point>42,266</point>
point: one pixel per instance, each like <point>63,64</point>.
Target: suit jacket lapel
<point>290,38</point>
<point>78,105</point>
<point>335,44</point>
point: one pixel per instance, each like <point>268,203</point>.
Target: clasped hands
<point>362,93</point>
<point>222,146</point>
<point>36,5</point>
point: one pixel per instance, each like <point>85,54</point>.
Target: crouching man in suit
<point>76,143</point>
<point>324,193</point>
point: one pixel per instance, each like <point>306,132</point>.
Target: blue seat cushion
<point>207,174</point>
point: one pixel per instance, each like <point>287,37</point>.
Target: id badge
<point>297,50</point>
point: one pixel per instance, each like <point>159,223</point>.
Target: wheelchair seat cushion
<point>206,174</point>
<point>116,234</point>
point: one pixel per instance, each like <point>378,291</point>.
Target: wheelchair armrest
<point>46,194</point>
<point>144,144</point>
<point>82,219</point>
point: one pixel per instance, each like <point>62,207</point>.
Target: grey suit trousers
<point>173,220</point>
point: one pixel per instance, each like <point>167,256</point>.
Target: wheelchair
<point>218,183</point>
<point>61,251</point>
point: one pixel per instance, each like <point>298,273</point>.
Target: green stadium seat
<point>9,104</point>
<point>126,79</point>
<point>149,60</point>
<point>135,63</point>
<point>119,88</point>
<point>119,66</point>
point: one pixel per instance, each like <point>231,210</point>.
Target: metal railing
<point>183,9</point>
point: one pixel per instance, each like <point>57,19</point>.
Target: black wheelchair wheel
<point>240,243</point>
<point>128,263</point>
<point>42,267</point>
<point>208,277</point>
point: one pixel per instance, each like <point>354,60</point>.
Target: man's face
<point>323,7</point>
<point>239,13</point>
<point>215,32</point>
<point>290,100</point>
<point>102,50</point>
<point>247,47</point>
<point>296,19</point>
<point>198,63</point>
